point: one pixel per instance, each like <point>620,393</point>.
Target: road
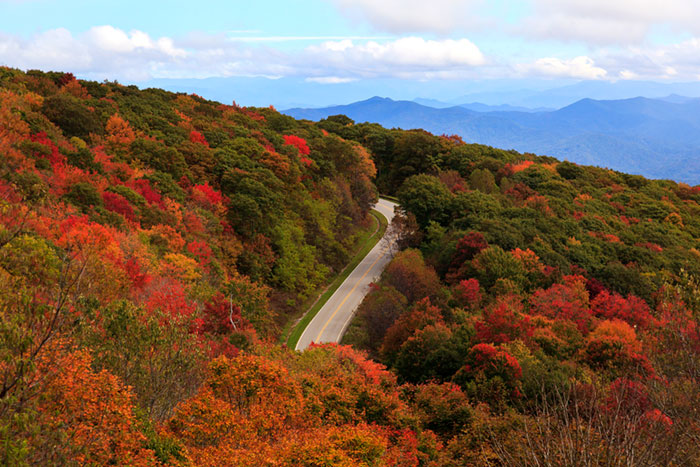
<point>333,318</point>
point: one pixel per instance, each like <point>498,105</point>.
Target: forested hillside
<point>561,299</point>
<point>153,245</point>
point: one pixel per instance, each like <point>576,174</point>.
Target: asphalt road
<point>333,318</point>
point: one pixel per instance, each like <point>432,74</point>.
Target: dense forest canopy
<point>153,245</point>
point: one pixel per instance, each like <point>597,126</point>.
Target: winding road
<point>333,318</point>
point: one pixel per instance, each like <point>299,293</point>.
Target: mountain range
<point>658,138</point>
<point>520,94</point>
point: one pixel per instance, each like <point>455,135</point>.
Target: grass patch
<point>390,198</point>
<point>368,240</point>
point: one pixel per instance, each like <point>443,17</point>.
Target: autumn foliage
<point>154,246</point>
<point>142,233</point>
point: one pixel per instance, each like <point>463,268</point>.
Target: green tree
<point>427,198</point>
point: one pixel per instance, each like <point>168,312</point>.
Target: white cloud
<point>593,31</point>
<point>53,49</point>
<point>102,51</point>
<point>340,46</point>
<point>609,21</point>
<point>108,52</point>
<point>111,39</point>
<point>300,38</point>
<point>410,16</point>
<point>647,11</point>
<point>409,54</point>
<point>594,22</point>
<point>628,75</point>
<point>330,80</point>
<point>675,61</point>
<point>580,68</point>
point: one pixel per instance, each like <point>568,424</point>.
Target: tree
<point>220,316</point>
<point>421,315</point>
<point>414,152</point>
<point>483,180</point>
<point>468,294</point>
<point>490,373</point>
<point>120,135</point>
<point>117,203</point>
<point>503,322</point>
<point>246,403</point>
<point>72,116</point>
<point>467,248</point>
<point>589,425</point>
<point>154,353</point>
<point>442,408</point>
<point>346,446</point>
<point>379,310</point>
<point>252,298</point>
<point>613,347</point>
<point>197,137</point>
<point>493,263</point>
<point>299,143</point>
<point>160,157</point>
<point>633,310</point>
<point>84,195</point>
<point>426,197</point>
<point>37,286</point>
<point>403,232</point>
<point>84,416</point>
<point>408,274</point>
<point>567,301</point>
<point>427,356</point>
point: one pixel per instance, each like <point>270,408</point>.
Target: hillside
<point>153,245</point>
<point>539,286</point>
<point>656,138</point>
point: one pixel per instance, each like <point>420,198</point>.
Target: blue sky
<point>340,41</point>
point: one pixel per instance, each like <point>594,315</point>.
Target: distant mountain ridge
<point>479,107</point>
<point>658,138</point>
<point>557,97</point>
<point>288,92</point>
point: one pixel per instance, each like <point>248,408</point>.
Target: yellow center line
<point>381,255</point>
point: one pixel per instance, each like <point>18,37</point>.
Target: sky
<point>332,42</point>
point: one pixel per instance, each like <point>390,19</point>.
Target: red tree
<point>632,309</point>
<point>299,143</point>
<point>197,137</point>
<point>117,203</point>
<point>567,301</point>
<point>423,314</point>
<point>207,194</point>
<point>503,323</point>
<point>468,293</point>
<point>467,248</point>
